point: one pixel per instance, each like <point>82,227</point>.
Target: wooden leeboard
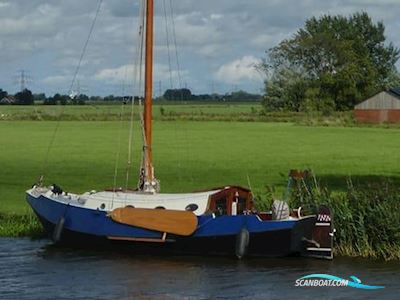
<point>163,220</point>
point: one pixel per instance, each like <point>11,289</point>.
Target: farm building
<point>7,100</point>
<point>384,107</point>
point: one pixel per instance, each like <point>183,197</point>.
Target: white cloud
<point>265,40</point>
<point>4,4</point>
<point>40,22</point>
<point>57,80</point>
<point>211,50</point>
<point>242,69</point>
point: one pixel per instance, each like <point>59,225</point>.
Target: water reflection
<point>36,269</point>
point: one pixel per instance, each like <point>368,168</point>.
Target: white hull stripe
<point>322,224</point>
<point>319,249</point>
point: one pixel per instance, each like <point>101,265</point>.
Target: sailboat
<point>221,220</point>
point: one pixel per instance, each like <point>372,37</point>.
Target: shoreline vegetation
<point>366,216</point>
<point>20,225</point>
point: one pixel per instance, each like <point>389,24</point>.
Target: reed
<point>16,225</point>
<point>366,216</point>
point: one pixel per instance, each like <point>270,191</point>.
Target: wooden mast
<point>148,96</point>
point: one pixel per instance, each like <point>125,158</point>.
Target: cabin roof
<point>395,91</point>
<point>143,200</point>
<point>389,99</point>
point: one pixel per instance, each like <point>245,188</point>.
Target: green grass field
<point>190,155</point>
<point>93,112</point>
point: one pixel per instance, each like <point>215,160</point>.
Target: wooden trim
<point>221,188</point>
<point>229,200</point>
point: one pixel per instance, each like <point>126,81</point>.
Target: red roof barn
<point>384,107</point>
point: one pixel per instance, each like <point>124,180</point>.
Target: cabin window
<point>221,207</point>
<point>192,207</point>
<point>241,205</point>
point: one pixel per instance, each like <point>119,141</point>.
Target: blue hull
<point>214,235</point>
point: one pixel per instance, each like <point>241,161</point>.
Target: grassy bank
<point>20,225</point>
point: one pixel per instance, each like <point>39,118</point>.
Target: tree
<point>80,99</point>
<point>50,101</point>
<point>242,96</point>
<point>178,95</point>
<point>3,94</point>
<point>25,97</point>
<point>285,90</point>
<point>61,99</point>
<point>109,98</point>
<point>39,97</point>
<point>342,59</point>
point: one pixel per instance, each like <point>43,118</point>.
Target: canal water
<point>37,270</point>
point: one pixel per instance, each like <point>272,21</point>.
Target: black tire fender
<point>242,242</point>
<point>58,229</point>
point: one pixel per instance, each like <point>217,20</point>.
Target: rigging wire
<point>168,47</point>
<point>52,139</point>
<point>117,154</point>
<point>122,113</point>
<point>180,81</point>
<point>175,46</point>
<point>137,80</point>
<point>141,112</point>
<point>85,46</point>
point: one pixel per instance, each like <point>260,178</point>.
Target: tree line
<point>26,97</point>
<point>331,64</point>
<point>186,95</point>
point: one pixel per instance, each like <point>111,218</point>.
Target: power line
<point>22,79</point>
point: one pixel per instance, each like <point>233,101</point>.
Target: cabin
<point>229,200</point>
<point>232,200</point>
<point>383,107</point>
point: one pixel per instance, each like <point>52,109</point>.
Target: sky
<point>218,42</point>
